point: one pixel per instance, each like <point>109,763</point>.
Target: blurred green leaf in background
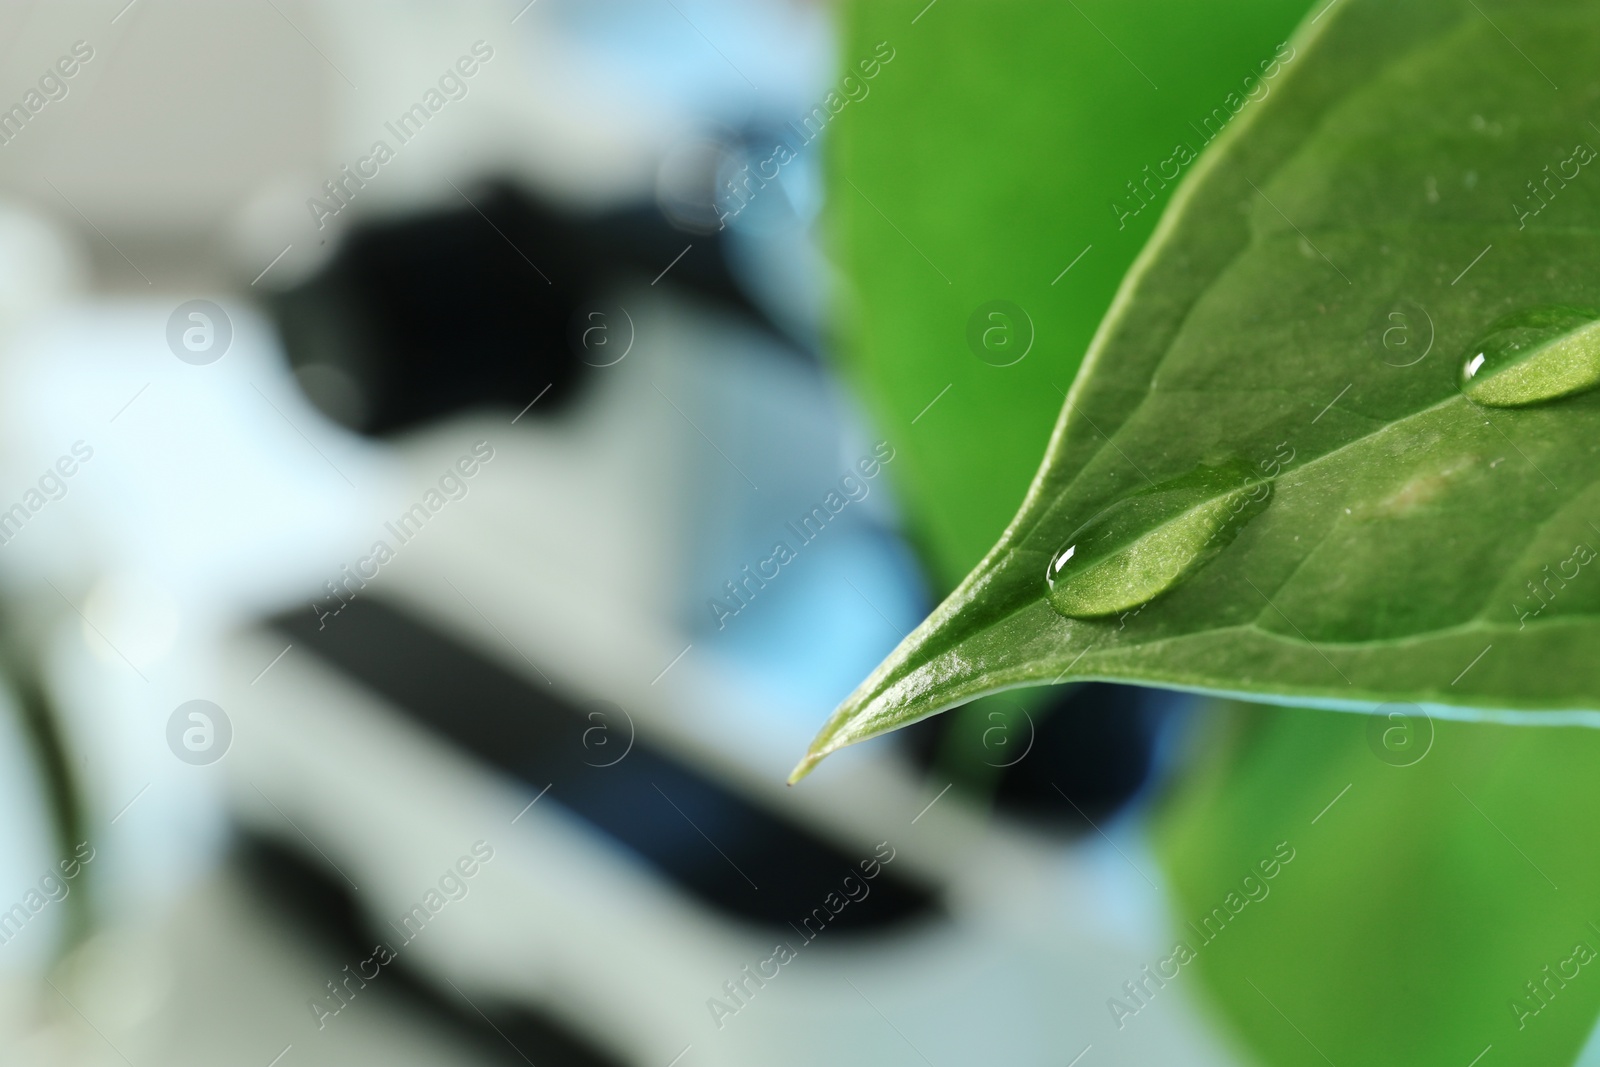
<point>983,165</point>
<point>1423,899</point>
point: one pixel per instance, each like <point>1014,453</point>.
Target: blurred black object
<point>715,844</point>
<point>319,903</point>
<point>483,304</point>
<point>1071,761</point>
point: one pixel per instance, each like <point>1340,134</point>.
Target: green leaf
<point>1411,532</point>
<point>1433,876</point>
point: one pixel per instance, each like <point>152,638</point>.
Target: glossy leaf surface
<point>1307,307</point>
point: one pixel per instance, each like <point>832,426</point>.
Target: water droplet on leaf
<point>1144,544</point>
<point>1534,355</point>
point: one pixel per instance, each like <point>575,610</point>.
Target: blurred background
<point>454,456</point>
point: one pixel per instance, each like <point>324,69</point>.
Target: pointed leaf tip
<point>1234,343</point>
<point>804,767</point>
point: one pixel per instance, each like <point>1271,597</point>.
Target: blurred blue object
<point>711,58</point>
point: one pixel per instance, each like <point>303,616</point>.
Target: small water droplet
<point>1146,543</point>
<point>1534,355</point>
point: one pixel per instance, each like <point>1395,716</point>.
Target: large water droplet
<point>1145,544</point>
<point>1534,355</point>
